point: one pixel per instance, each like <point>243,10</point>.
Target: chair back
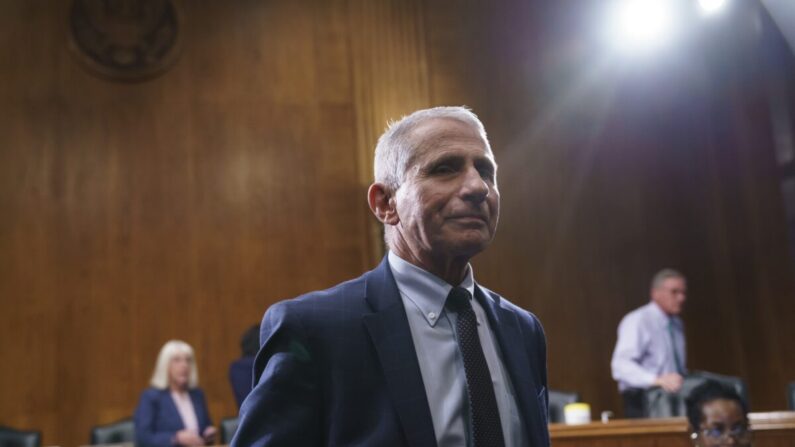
<point>557,401</point>
<point>661,404</point>
<point>228,429</point>
<point>10,437</point>
<point>791,396</point>
<point>735,382</point>
<point>114,433</point>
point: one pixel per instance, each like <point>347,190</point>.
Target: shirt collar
<point>427,291</point>
<point>661,317</point>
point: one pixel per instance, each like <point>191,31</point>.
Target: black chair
<point>737,383</point>
<point>228,429</point>
<point>114,433</point>
<point>19,438</point>
<point>557,401</point>
<point>661,404</point>
<point>791,396</point>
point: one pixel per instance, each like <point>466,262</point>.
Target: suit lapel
<point>198,409</point>
<point>505,325</point>
<point>168,402</point>
<point>389,330</point>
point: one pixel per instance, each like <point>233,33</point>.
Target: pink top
<point>186,411</point>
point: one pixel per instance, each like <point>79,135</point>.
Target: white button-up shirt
<point>441,364</point>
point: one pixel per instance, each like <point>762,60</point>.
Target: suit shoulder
<point>523,314</point>
<point>352,288</point>
<point>315,310</point>
<point>151,394</point>
<point>197,392</point>
<point>311,300</point>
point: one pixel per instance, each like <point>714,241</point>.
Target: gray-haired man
<point>414,352</point>
<point>650,350</point>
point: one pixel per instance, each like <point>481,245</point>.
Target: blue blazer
<point>338,367</point>
<point>240,377</point>
<point>157,420</point>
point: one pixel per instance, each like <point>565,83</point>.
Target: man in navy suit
<point>414,352</point>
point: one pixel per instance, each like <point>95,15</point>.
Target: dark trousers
<point>634,403</point>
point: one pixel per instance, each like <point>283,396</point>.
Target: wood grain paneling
<point>614,167</point>
<point>771,429</point>
<point>183,206</point>
<point>390,77</point>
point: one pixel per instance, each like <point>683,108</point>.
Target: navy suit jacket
<point>338,367</point>
<point>240,377</point>
<point>157,420</point>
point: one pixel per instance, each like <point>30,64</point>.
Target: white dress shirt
<point>644,350</point>
<point>441,364</point>
<point>186,411</point>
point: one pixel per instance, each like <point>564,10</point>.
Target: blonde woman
<point>173,410</point>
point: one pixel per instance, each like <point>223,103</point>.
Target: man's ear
<point>382,203</point>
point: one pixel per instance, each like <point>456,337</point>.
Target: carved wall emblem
<point>125,39</point>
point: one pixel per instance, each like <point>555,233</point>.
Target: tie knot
<point>459,299</point>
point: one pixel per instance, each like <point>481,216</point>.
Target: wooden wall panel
<point>615,167</point>
<point>183,206</point>
<point>390,78</point>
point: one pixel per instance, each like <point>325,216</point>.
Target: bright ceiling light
<point>711,5</point>
<point>642,22</point>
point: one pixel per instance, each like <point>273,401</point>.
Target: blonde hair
<point>167,352</point>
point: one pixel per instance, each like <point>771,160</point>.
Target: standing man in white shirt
<point>650,350</point>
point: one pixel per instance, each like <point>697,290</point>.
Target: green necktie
<point>679,368</point>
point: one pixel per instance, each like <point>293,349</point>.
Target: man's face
<point>670,295</point>
<point>448,204</point>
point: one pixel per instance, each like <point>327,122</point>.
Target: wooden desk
<point>776,429</point>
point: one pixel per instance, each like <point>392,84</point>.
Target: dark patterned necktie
<point>485,416</point>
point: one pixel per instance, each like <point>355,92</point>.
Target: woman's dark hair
<point>705,393</point>
<point>249,342</point>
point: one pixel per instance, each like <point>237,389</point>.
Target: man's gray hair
<point>664,274</point>
<point>395,148</point>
